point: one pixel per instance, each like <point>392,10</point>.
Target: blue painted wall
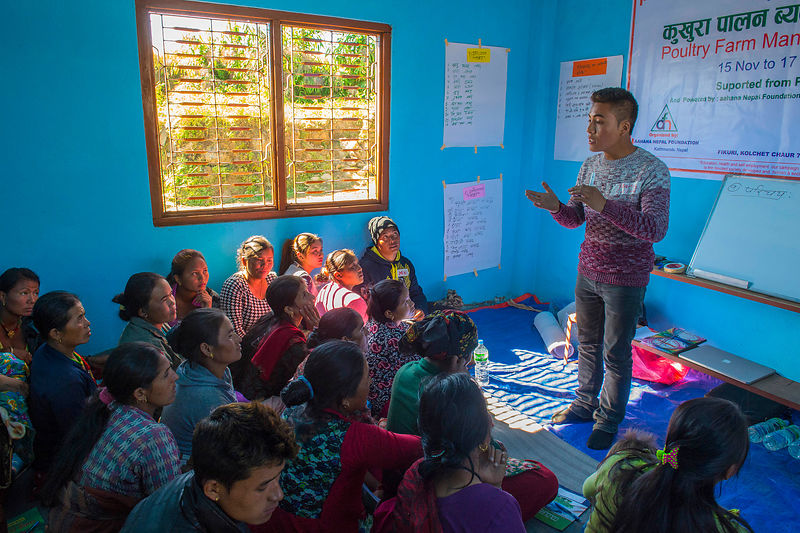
<point>753,330</point>
<point>75,189</point>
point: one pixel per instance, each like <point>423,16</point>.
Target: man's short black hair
<point>623,104</point>
<point>236,438</point>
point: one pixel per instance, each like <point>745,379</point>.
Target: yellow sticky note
<point>478,55</point>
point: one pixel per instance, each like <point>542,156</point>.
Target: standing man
<point>622,193</point>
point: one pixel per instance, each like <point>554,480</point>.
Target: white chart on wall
<point>473,227</point>
<point>474,95</point>
<point>578,80</point>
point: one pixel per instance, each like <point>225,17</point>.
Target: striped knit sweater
<point>618,246</point>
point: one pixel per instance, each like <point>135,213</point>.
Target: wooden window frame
<point>276,20</point>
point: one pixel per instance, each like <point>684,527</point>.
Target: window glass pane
<point>212,87</point>
<point>330,115</point>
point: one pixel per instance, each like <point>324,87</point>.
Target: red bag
<point>651,367</point>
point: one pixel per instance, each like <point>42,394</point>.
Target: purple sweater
<point>618,247</point>
<point>478,508</point>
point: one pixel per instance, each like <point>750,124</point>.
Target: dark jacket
<point>58,393</point>
<point>180,506</point>
<point>376,268</point>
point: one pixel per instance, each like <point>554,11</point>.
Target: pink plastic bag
<point>651,367</point>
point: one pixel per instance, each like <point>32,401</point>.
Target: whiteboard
<point>473,226</point>
<point>752,235</point>
<point>474,95</point>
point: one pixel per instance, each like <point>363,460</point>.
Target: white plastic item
<point>552,335</point>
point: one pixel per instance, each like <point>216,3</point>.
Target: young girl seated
<point>389,305</point>
<point>300,256</point>
<point>281,345</point>
<point>323,484</point>
<point>188,278</point>
<point>637,488</point>
<point>343,272</point>
<point>459,484</point>
<point>116,453</point>
<point>207,340</point>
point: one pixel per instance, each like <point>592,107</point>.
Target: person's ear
<point>337,276</point>
<point>3,298</point>
<point>205,349</point>
<point>389,314</point>
<point>625,126</point>
<point>731,471</point>
<point>54,334</point>
<point>213,490</point>
<point>140,395</point>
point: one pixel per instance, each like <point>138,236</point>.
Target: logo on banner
<point>665,122</point>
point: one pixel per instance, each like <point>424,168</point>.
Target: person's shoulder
<point>161,510</point>
<point>643,157</point>
<point>234,280</point>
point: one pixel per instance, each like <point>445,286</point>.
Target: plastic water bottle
<point>794,449</point>
<point>781,438</point>
<point>757,432</point>
<point>481,357</point>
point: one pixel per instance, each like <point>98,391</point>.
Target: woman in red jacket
<point>323,484</point>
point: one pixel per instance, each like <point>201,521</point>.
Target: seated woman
<point>243,294</point>
<point>343,272</point>
<point>339,324</point>
<point>323,484</point>
<point>61,380</point>
<point>207,340</point>
<point>115,454</point>
<point>238,453</point>
<point>188,278</point>
<point>147,305</point>
<point>389,305</point>
<point>282,344</point>
<point>706,443</point>
<point>384,261</point>
<point>458,485</point>
<point>19,290</point>
<point>300,256</point>
<point>445,341</point>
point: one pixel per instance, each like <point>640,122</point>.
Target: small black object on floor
<point>755,407</point>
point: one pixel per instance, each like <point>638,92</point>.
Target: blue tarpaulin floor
<point>525,377</point>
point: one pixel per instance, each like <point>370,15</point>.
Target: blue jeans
<point>606,319</point>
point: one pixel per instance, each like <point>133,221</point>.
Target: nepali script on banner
<point>718,85</point>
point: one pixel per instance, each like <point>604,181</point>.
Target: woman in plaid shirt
<point>116,453</point>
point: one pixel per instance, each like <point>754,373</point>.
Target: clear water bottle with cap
<point>757,432</point>
<point>794,449</point>
<point>781,438</point>
<point>481,358</point>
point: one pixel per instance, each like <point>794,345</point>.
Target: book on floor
<point>563,510</point>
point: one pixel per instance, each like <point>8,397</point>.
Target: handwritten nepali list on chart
<point>475,95</point>
<point>472,226</point>
<point>578,80</point>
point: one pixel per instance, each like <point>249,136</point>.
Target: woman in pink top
<point>343,271</point>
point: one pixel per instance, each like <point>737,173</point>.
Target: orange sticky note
<point>478,55</point>
<point>590,67</point>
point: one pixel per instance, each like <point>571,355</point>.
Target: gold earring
<point>346,405</point>
<point>484,447</point>
<point>210,355</point>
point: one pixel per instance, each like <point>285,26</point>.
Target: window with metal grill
<point>252,113</point>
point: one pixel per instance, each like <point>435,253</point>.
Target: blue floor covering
<point>524,376</point>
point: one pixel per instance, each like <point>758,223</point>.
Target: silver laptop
<point>727,364</point>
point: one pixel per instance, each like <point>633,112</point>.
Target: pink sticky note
<point>474,192</point>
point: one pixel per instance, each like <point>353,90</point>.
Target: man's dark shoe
<point>568,416</point>
<point>600,440</point>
